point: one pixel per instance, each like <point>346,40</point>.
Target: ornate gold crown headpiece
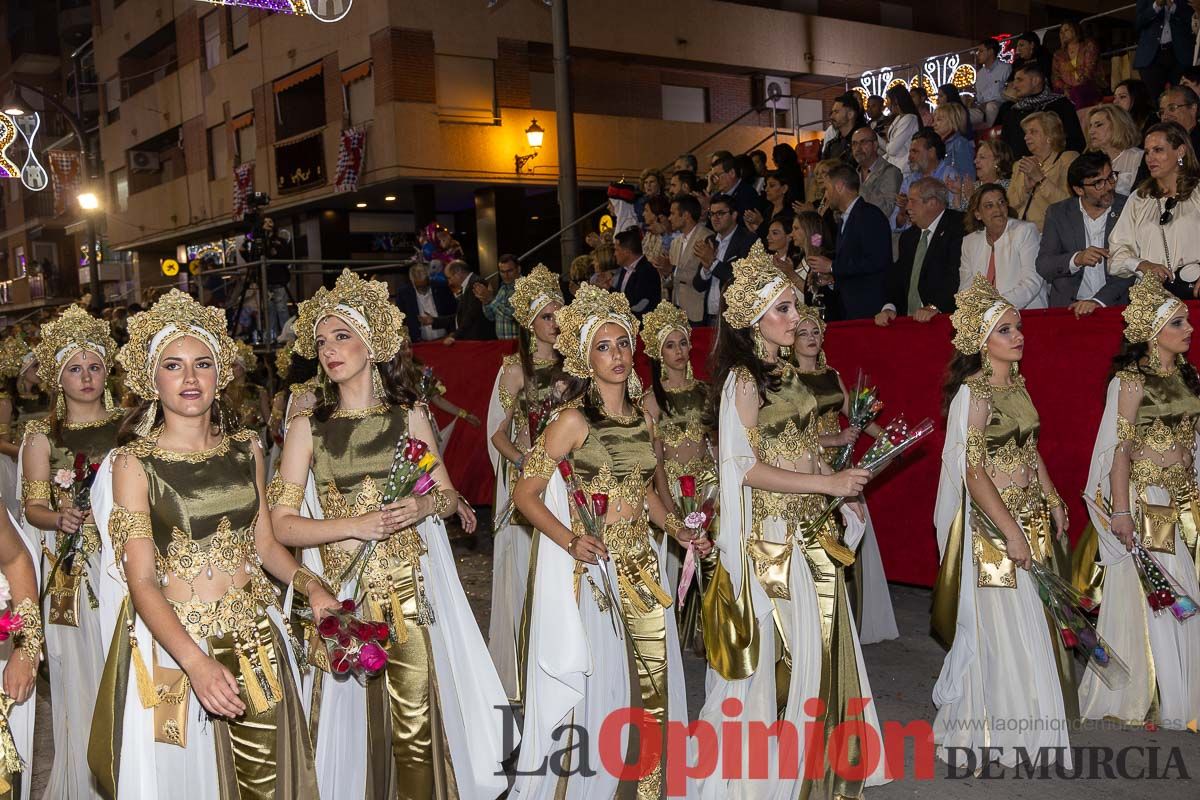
<point>15,353</point>
<point>244,354</point>
<point>172,317</point>
<point>1150,306</point>
<point>532,293</point>
<point>364,305</point>
<point>74,330</point>
<point>978,307</point>
<point>757,282</point>
<point>661,323</point>
<point>579,321</point>
<point>283,361</point>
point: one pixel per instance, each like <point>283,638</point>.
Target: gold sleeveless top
<point>1166,422</point>
<point>203,511</point>
<point>352,456</point>
<point>787,429</point>
<point>537,389</point>
<point>826,387</point>
<point>94,440</point>
<point>681,425</point>
<point>617,459</point>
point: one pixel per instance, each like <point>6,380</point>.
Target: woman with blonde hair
<point>1110,130</point>
<point>1040,179</point>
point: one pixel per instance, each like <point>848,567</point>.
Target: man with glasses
<point>717,254</point>
<point>1073,255</point>
<point>1180,105</point>
<point>730,184</point>
<point>880,179</point>
<point>497,306</point>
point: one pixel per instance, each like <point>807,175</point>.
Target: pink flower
<point>372,658</point>
<point>424,485</point>
<point>10,623</point>
<point>64,478</point>
<point>815,240</point>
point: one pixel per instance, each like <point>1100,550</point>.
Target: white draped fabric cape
<point>10,486</point>
<point>757,693</point>
<point>999,683</point>
<point>578,671</point>
<point>511,546</point>
<point>20,718</point>
<point>469,692</point>
<point>1155,648</point>
<point>878,618</point>
<point>75,657</point>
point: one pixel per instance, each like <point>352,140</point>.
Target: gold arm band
<point>976,447</point>
<point>124,525</point>
<point>1126,431</point>
<point>673,525</point>
<point>441,503</point>
<point>5,428</point>
<point>282,493</point>
<point>303,580</point>
<point>538,463</point>
<point>35,490</point>
<point>1053,500</point>
<point>30,637</point>
<point>507,401</point>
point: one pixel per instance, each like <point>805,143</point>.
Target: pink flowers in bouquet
<point>10,624</point>
<point>699,511</point>
<point>354,645</point>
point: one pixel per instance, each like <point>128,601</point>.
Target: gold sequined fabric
<point>617,459</point>
<point>787,423</point>
<point>282,493</point>
<point>1167,414</point>
<point>1011,436</point>
<point>681,421</point>
<point>94,439</point>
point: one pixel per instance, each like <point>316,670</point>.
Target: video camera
<point>256,237</point>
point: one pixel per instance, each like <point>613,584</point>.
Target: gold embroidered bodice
<point>1163,435</point>
<point>827,389</point>
<point>203,512</point>
<point>535,392</point>
<point>787,423</point>
<point>1008,444</point>
<point>617,459</point>
<point>684,436</point>
<point>352,456</point>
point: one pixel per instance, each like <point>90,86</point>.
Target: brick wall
<point>412,60</point>
<point>195,146</point>
<point>187,37</point>
<point>335,106</point>
<point>381,65</point>
<point>512,73</point>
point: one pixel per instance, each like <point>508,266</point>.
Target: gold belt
<point>236,611</point>
<point>1028,508</point>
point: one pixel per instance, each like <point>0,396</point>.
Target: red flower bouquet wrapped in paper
<point>352,646</point>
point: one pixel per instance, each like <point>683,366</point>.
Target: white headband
<point>356,319</point>
<point>1163,314</point>
<point>541,300</point>
<point>172,332</point>
<point>61,356</point>
<point>589,330</point>
<point>991,317</point>
<point>769,292</point>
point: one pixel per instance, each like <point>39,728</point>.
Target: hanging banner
<point>351,153</point>
<point>243,185</point>
<point>66,176</point>
<point>300,163</point>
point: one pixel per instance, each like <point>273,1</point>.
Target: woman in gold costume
<point>599,612</point>
<point>1143,467</point>
<point>19,402</point>
<point>867,584</point>
<point>779,635</point>
<point>682,442</point>
<point>195,621</point>
<point>1006,660</point>
<point>75,356</point>
<point>245,398</point>
<point>427,726</point>
<point>526,382</point>
<point>19,657</point>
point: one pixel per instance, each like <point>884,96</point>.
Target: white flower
<point>694,520</point>
<point>5,590</point>
<point>64,478</point>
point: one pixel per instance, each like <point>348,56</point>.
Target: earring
<point>60,407</point>
<point>108,399</point>
<point>377,383</point>
<point>821,362</point>
<point>146,423</point>
<point>986,364</point>
<point>1180,161</point>
<point>785,354</point>
<point>688,374</point>
<point>220,411</point>
<point>594,391</point>
<point>1014,370</point>
<point>760,344</point>
<point>633,385</point>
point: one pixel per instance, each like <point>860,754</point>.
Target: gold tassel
<point>146,423</point>
<point>399,628</point>
<point>10,759</point>
<point>836,550</point>
<point>147,692</point>
<point>631,594</point>
<point>579,570</point>
<point>655,588</point>
<point>264,658</point>
<point>60,406</point>
<point>254,691</point>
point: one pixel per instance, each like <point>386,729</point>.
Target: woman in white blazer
<point>1014,244</point>
<point>904,124</point>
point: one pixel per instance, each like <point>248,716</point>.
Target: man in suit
<point>423,303</point>
<point>685,220</point>
<point>469,322</point>
<point>864,249</point>
<point>1073,254</point>
<point>879,178</point>
<point>925,277</point>
<point>637,278</point>
<point>1165,41</point>
<point>729,183</point>
<point>1031,85</point>
<point>716,254</point>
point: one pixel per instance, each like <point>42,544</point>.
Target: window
<point>210,32</point>
<point>218,153</point>
<point>243,138</point>
<point>239,29</point>
<point>466,89</point>
<point>541,90</point>
<point>156,161</point>
<point>148,62</point>
<point>684,103</point>
<point>358,91</point>
<point>112,100</point>
<point>299,102</point>
<point>120,188</point>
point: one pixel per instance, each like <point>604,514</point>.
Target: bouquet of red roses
<point>698,505</point>
<point>351,644</point>
<point>77,483</point>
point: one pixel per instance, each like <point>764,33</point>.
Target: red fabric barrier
<point>1066,367</point>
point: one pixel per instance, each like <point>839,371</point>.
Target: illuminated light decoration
<point>877,82</point>
<point>8,135</point>
<point>33,174</point>
<point>1007,51</point>
<point>297,7</point>
<point>328,10</point>
<point>862,96</point>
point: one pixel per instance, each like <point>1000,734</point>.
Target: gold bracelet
<point>1053,500</point>
<point>303,579</point>
<point>441,503</point>
<point>673,521</point>
<point>30,637</point>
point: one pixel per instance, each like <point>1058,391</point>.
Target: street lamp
<point>13,106</point>
<point>533,134</point>
<point>88,201</point>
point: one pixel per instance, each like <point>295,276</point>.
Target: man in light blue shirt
<point>991,74</point>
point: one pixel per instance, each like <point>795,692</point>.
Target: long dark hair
<point>735,348</point>
<point>398,390</point>
<point>901,100</point>
<point>960,367</point>
<point>1142,110</point>
<point>1189,171</point>
<point>1133,356</point>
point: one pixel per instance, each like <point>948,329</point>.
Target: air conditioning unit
<point>144,161</point>
<point>772,91</point>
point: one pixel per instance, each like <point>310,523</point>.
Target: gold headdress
<point>757,283</point>
<point>1150,306</point>
<point>579,321</point>
<point>244,354</point>
<point>532,293</point>
<point>174,316</point>
<point>15,354</point>
<point>364,305</point>
<point>62,338</point>
<point>283,361</point>
<point>979,307</point>
<point>661,323</point>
